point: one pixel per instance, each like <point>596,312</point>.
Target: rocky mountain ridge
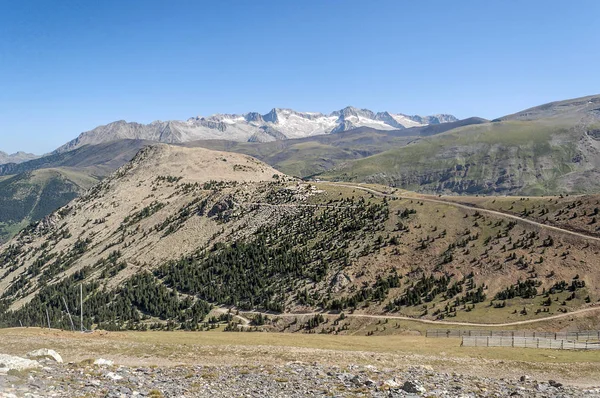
<point>18,157</point>
<point>278,124</point>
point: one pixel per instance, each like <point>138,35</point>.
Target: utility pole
<point>68,313</point>
<point>81,303</point>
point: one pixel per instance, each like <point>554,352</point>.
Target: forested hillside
<point>179,231</point>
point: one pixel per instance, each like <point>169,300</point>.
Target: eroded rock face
<point>340,281</point>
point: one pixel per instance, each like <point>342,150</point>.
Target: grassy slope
<point>309,156</point>
<point>243,349</point>
<point>502,157</point>
<point>580,213</point>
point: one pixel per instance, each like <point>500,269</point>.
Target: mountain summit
<point>18,157</point>
<point>278,124</point>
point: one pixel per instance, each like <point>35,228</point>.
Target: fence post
<point>488,341</point>
<point>513,340</point>
<point>562,344</point>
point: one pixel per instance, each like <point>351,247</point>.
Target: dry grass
<point>265,349</point>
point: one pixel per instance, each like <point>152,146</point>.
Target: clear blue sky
<point>66,67</point>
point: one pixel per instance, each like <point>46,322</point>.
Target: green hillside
<point>528,157</point>
<point>32,195</point>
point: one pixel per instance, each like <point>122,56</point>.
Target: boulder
<point>113,376</point>
<point>45,353</point>
<point>9,362</point>
<point>413,387</point>
<point>391,383</point>
<point>103,362</point>
<point>554,384</point>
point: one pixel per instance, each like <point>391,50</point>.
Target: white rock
<point>9,362</point>
<point>113,376</point>
<point>372,368</point>
<point>103,362</point>
<point>391,383</point>
<point>45,353</point>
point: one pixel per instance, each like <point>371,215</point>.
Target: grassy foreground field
<point>249,349</point>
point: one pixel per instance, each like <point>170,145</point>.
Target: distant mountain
<point>30,196</point>
<point>279,124</point>
<point>18,157</point>
<point>433,129</point>
<point>586,108</point>
<point>31,190</point>
<point>97,160</point>
<point>549,149</point>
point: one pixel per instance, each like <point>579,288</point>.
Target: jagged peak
<point>243,127</point>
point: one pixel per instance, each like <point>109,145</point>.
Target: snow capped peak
<point>254,117</point>
<point>278,124</point>
<point>350,111</point>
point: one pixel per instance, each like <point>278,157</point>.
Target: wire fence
<point>586,335</point>
<point>528,342</point>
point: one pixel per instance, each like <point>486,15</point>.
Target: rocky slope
<point>554,148</point>
<point>279,124</point>
<point>294,379</point>
<point>31,190</point>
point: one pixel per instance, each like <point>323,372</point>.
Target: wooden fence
<point>593,335</point>
<point>528,342</point>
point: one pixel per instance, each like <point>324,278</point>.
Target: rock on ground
<point>9,362</point>
<point>294,379</point>
<point>45,353</point>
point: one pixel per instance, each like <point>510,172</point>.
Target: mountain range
<point>550,149</point>
<point>278,124</point>
<point>17,157</point>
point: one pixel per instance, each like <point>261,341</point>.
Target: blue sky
<point>66,67</point>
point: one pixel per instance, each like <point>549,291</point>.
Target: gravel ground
<point>294,379</point>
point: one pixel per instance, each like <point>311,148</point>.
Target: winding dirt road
<point>479,209</point>
<point>246,321</point>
